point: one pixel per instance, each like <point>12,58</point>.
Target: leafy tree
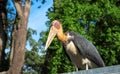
<point>13,31</point>
<point>98,21</point>
<point>33,59</point>
<point>18,35</point>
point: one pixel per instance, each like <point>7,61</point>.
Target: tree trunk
<point>3,34</point>
<point>19,37</point>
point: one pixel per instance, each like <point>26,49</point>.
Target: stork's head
<point>54,30</point>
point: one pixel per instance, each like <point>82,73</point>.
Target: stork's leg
<point>76,68</point>
<point>86,66</point>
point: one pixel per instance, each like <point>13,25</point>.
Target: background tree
<point>16,28</point>
<point>14,18</point>
<point>98,21</point>
<point>13,21</point>
<point>3,33</point>
<point>33,59</point>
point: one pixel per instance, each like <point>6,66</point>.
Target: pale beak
<point>52,34</point>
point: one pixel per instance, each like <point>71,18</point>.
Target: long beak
<point>52,34</point>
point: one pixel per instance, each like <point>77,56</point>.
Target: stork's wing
<point>87,49</point>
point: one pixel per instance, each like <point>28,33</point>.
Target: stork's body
<point>81,52</point>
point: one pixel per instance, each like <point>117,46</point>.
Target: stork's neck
<point>61,36</point>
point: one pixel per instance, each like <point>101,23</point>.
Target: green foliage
<point>33,59</point>
<point>58,60</point>
<point>97,20</point>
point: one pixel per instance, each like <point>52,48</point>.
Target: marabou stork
<point>81,52</point>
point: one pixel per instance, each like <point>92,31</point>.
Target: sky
<point>38,18</point>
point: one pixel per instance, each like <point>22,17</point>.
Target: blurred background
<point>96,20</point>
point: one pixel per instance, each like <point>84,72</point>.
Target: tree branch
<point>27,8</point>
<point>19,8</point>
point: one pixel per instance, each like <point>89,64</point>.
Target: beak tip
<point>45,48</point>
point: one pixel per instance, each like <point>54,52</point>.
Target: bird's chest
<point>71,49</point>
<point>73,53</point>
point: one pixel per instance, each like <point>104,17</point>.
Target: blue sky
<point>38,17</point>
